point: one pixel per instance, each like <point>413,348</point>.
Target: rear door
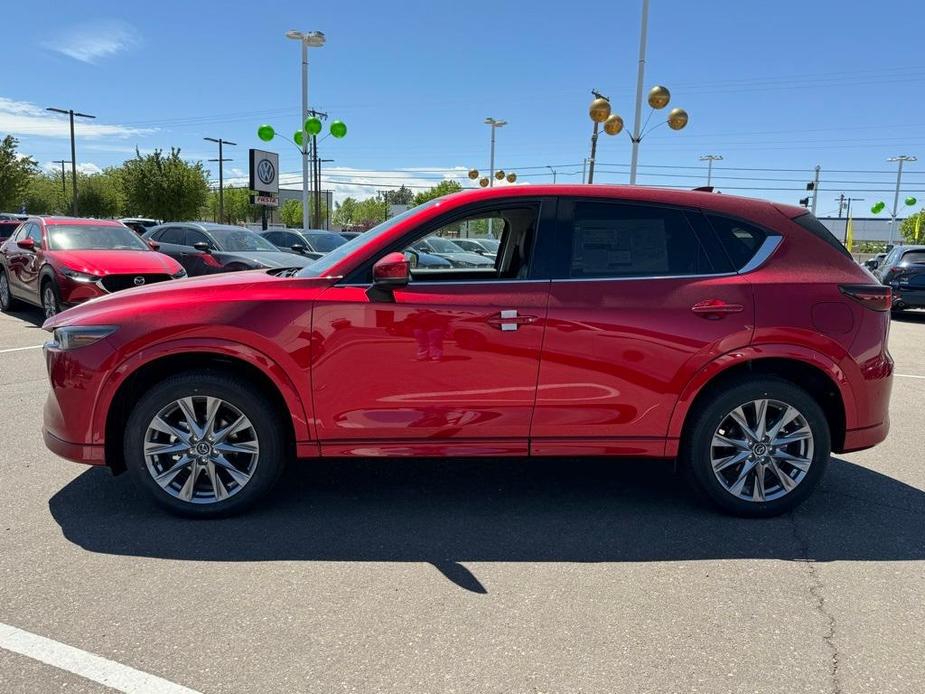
<point>642,297</point>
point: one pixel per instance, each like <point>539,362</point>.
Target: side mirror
<point>201,246</point>
<point>392,270</point>
<point>298,247</point>
<point>155,246</point>
<point>27,244</point>
<point>412,257</point>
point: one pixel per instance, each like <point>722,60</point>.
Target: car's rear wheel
<point>204,444</point>
<point>51,302</point>
<point>757,448</point>
<point>7,302</point>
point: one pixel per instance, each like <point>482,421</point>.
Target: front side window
<point>35,233</point>
<point>624,240</point>
<point>236,240</point>
<point>175,235</point>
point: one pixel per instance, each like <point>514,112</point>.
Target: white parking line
<point>908,376</point>
<point>93,667</point>
<point>20,349</point>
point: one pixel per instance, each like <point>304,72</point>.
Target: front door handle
<point>715,308</point>
<point>508,320</point>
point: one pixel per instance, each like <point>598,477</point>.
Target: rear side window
<point>175,235</point>
<point>740,240</point>
<point>620,240</point>
<point>817,229</point>
<point>914,257</point>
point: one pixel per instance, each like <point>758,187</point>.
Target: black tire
<point>273,448</point>
<point>696,446</point>
<point>51,299</point>
<point>7,302</point>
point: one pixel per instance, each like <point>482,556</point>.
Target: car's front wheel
<point>203,444</point>
<point>758,447</point>
<point>7,302</point>
<point>51,303</point>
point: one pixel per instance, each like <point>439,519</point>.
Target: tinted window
<point>275,237</point>
<point>616,240</point>
<point>816,228</point>
<point>63,237</point>
<point>323,243</point>
<point>196,236</point>
<point>740,240</point>
<point>237,239</point>
<point>175,235</point>
<point>914,257</point>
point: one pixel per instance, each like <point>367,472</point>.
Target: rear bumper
<point>913,298</point>
<point>76,452</point>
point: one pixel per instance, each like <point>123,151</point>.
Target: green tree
<point>345,212</point>
<point>442,188</point>
<point>164,187</point>
<point>402,196</point>
<point>15,173</point>
<point>908,228</point>
<point>371,211</point>
<point>238,207</point>
<point>44,195</point>
<point>100,195</point>
<point>291,213</point>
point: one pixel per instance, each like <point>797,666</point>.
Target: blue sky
<point>781,86</point>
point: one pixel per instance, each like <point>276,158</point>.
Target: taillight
<point>210,260</point>
<point>874,297</point>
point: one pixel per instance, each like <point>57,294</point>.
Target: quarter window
<point>621,240</point>
<point>740,240</point>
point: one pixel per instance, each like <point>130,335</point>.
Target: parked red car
<point>736,335</point>
<point>56,262</point>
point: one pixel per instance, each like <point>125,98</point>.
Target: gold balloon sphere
<point>499,174</point>
<point>613,125</point>
<point>677,118</point>
<point>483,181</point>
<point>473,174</point>
<point>659,96</point>
<point>599,110</point>
<point>511,177</point>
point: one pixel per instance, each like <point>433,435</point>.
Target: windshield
<point>92,237</point>
<point>443,245</point>
<point>324,243</point>
<point>234,240</point>
<point>490,244</point>
<point>323,265</point>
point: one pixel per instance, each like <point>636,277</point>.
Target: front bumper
<point>76,452</point>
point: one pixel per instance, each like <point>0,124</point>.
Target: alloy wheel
<point>201,449</point>
<point>4,291</point>
<point>762,450</point>
<point>49,301</point>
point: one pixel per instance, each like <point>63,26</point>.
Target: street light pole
<point>902,158</point>
<point>71,113</point>
<point>63,180</point>
<point>494,124</point>
<point>710,158</point>
<point>221,175</point>
<point>554,172</point>
<point>313,39</point>
<point>640,78</point>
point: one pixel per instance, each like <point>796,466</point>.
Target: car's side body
<point>903,270</point>
<point>588,366</point>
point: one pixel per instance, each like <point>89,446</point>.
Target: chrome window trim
<point>765,251</point>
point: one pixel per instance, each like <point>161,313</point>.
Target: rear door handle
<point>508,320</point>
<point>715,308</point>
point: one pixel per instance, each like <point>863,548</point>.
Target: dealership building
<point>864,228</point>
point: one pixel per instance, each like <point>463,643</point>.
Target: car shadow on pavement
<point>448,512</point>
<point>29,314</point>
<point>910,316</point>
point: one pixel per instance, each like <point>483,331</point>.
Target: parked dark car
<point>350,235</point>
<point>7,227</point>
<point>317,241</point>
<point>292,240</point>
<point>445,248</point>
<point>486,247</point>
<point>139,225</point>
<point>874,263</point>
<point>903,270</point>
<point>204,248</point>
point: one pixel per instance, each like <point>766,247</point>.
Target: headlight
<point>75,336</point>
<point>180,275</point>
<point>78,276</point>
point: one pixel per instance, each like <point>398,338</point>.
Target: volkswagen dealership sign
<point>264,172</point>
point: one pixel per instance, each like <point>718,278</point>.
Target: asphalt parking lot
<point>475,576</point>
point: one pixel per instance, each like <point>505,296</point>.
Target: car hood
<point>179,295</point>
<point>102,263</point>
<point>271,259</point>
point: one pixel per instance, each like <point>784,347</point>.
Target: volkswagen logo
<point>266,172</point>
<point>139,281</point>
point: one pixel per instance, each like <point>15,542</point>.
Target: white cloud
<point>25,118</point>
<point>89,42</point>
<point>84,167</point>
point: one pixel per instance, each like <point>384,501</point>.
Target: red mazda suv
<point>56,262</point>
<point>735,335</point>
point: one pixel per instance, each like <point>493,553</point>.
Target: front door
<point>449,366</point>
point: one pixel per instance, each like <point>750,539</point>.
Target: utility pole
<point>71,113</point>
<point>902,158</point>
<point>63,180</point>
<point>710,158</point>
<point>554,172</point>
<point>848,215</point>
<point>584,169</point>
<point>640,78</point>
<point>221,174</point>
<point>816,188</point>
<point>841,203</point>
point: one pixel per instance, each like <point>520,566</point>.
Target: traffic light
<point>804,202</point>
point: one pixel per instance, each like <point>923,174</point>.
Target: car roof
<point>78,221</point>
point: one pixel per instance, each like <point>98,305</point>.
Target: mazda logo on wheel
<point>266,172</point>
<point>139,281</point>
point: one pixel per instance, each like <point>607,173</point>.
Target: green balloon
<point>313,126</point>
<point>338,128</point>
<point>877,207</point>
<point>298,137</point>
<point>265,132</point>
<point>910,201</point>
